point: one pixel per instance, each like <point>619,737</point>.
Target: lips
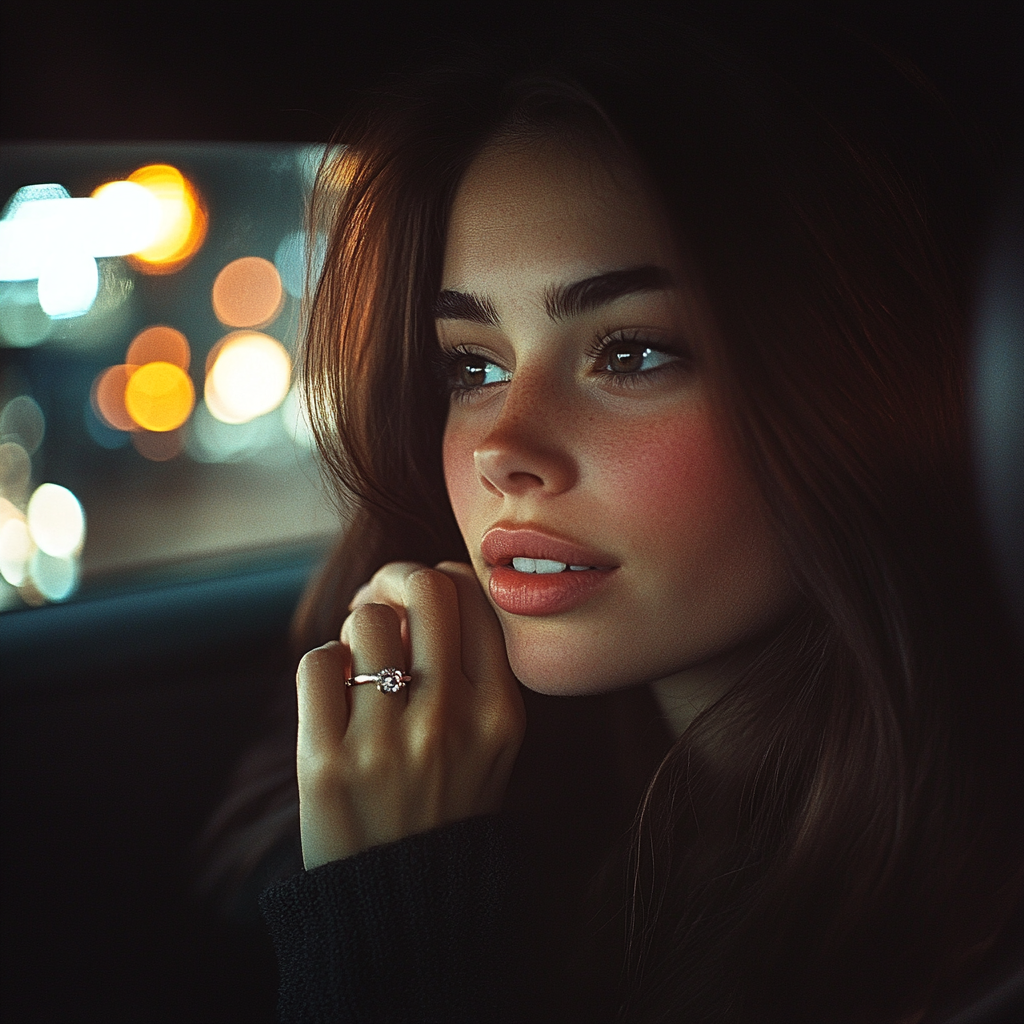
<point>539,590</point>
<point>501,544</point>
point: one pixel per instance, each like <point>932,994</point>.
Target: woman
<point>644,379</point>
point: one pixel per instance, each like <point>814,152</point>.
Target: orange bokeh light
<point>108,397</point>
<point>182,220</point>
<point>159,345</point>
<point>159,396</point>
<point>247,293</point>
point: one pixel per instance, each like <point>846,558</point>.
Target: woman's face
<point>583,430</point>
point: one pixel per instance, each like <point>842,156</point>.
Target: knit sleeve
<point>417,930</point>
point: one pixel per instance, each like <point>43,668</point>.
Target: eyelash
<point>447,361</point>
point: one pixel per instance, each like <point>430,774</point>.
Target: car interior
<point>161,507</point>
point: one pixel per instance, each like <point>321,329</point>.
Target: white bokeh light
<point>55,578</point>
<point>56,520</point>
<point>128,219</point>
<point>46,234</point>
<point>250,376</point>
<point>15,551</point>
<point>68,284</point>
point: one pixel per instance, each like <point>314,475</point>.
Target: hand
<point>375,767</point>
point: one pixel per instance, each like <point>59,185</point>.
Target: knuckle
<point>429,584</point>
<point>317,771</point>
<point>394,571</point>
<point>421,739</point>
<point>369,760</point>
<point>370,618</point>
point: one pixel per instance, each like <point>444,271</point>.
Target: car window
<point>149,418</point>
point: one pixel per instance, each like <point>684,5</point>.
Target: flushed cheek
<point>693,528</point>
<point>668,477</point>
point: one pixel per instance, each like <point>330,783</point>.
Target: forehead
<point>561,211</point>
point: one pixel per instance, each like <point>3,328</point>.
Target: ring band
<point>388,680</point>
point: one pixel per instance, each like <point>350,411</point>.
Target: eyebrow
<point>562,302</point>
<point>464,306</point>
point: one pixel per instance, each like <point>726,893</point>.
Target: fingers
<point>428,606</point>
<point>483,643</point>
<point>320,688</point>
<point>432,609</point>
<point>373,767</point>
<point>375,643</point>
<point>449,628</point>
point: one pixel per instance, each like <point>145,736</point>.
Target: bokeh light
<point>15,472</point>
<point>23,421</point>
<point>108,392</point>
<point>213,440</point>
<point>34,226</point>
<point>183,220</point>
<point>130,218</point>
<point>15,549</point>
<point>48,236</point>
<point>22,321</point>
<point>247,293</point>
<point>56,520</point>
<point>159,396</point>
<point>290,258</point>
<point>159,344</point>
<point>68,283</point>
<point>56,578</point>
<point>248,374</point>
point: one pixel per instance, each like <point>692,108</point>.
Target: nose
<point>528,449</point>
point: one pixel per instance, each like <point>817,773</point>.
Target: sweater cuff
<point>417,930</point>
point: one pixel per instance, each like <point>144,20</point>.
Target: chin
<point>557,671</point>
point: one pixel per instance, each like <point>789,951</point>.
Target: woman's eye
<point>629,357</point>
<point>471,371</point>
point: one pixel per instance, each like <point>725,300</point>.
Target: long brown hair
<point>839,836</point>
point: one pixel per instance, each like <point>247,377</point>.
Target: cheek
<point>460,476</point>
<point>673,478</point>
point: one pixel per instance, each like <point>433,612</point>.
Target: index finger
<point>483,643</point>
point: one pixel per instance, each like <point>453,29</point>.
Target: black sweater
<point>425,929</point>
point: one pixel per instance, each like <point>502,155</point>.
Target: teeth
<point>541,565</point>
<point>579,568</point>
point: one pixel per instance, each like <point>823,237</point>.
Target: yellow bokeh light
<point>159,396</point>
<point>247,293</point>
<point>182,219</point>
<point>248,374</point>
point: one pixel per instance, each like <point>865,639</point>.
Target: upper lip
<point>502,543</point>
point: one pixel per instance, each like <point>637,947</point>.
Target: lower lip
<point>529,593</point>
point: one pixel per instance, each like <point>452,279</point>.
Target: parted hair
<point>838,837</point>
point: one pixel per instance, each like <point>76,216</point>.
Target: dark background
<point>236,71</point>
<point>110,770</point>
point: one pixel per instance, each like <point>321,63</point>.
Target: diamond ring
<point>388,680</point>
